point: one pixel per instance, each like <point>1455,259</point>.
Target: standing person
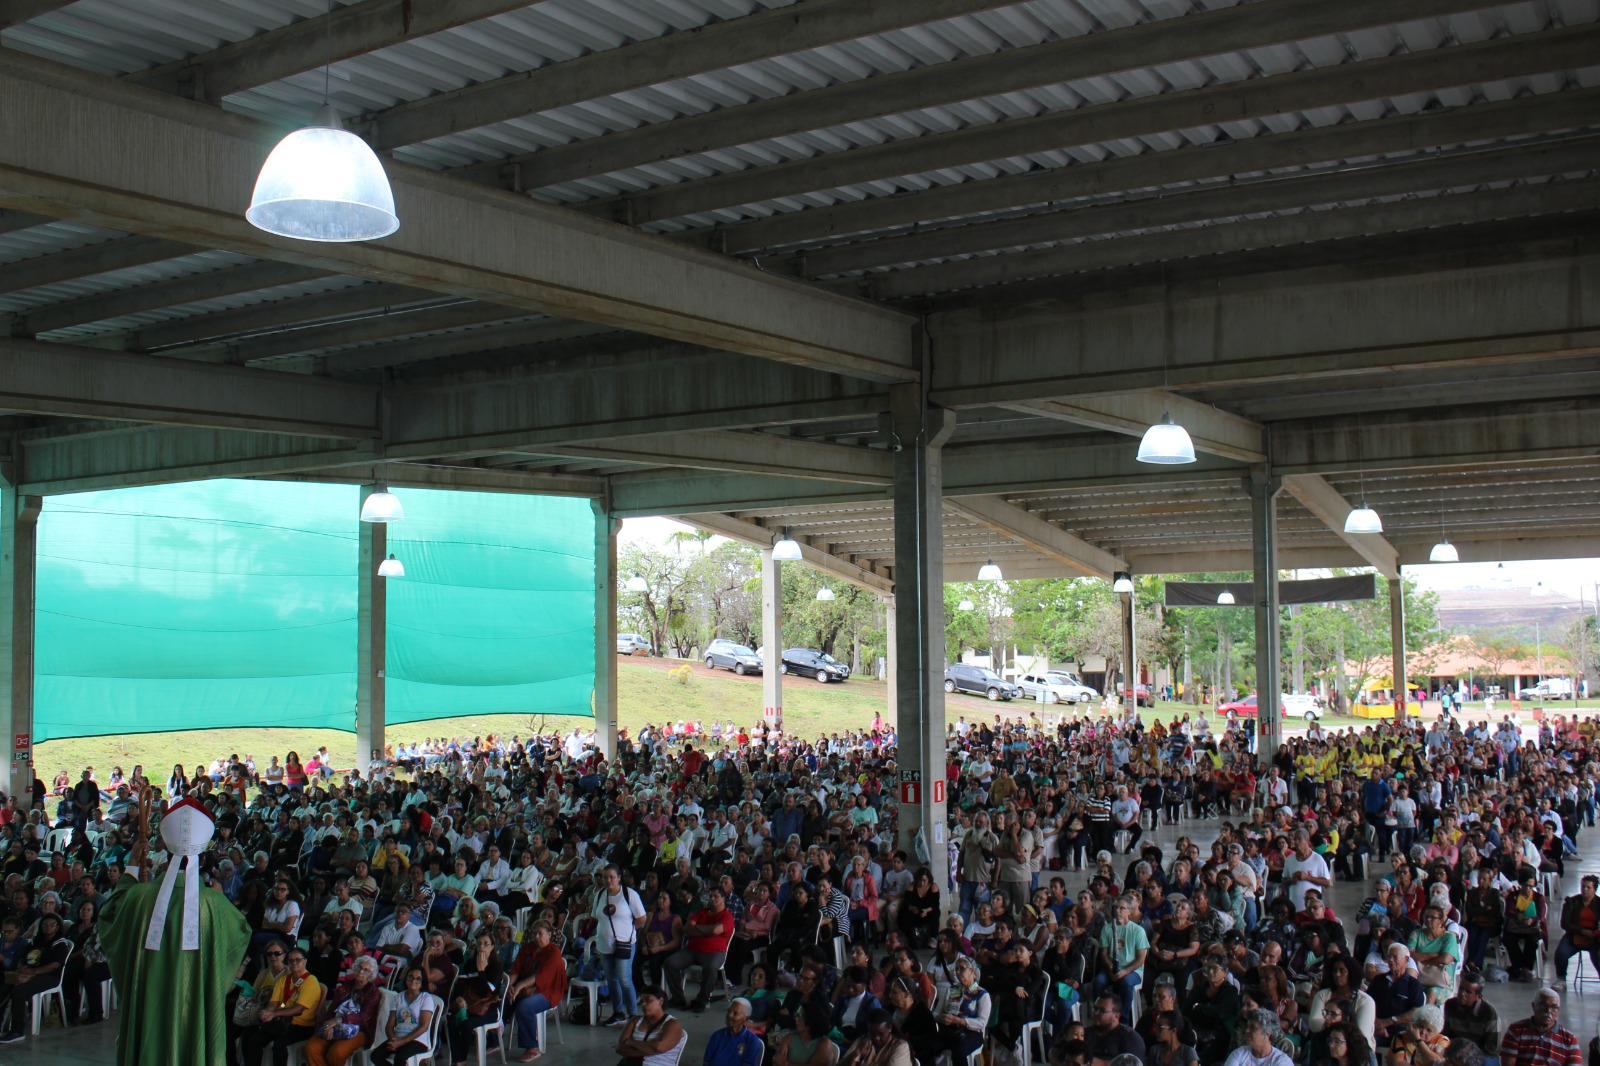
<point>978,846</point>
<point>538,984</point>
<point>1540,1040</point>
<point>1016,859</point>
<point>1304,869</point>
<point>620,914</point>
<point>707,935</point>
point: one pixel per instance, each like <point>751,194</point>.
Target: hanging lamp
<point>1166,444</point>
<point>1225,598</point>
<point>637,584</point>
<point>786,550</point>
<point>382,506</point>
<point>1363,519</point>
<point>989,572</point>
<point>1444,552</point>
<point>964,605</point>
<point>391,567</point>
<point>1122,582</point>
<point>825,593</point>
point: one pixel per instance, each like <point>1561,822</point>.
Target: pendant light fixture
<point>391,567</point>
<point>1166,444</point>
<point>382,506</point>
<point>964,605</point>
<point>989,572</point>
<point>1122,582</point>
<point>637,584</point>
<point>1362,519</point>
<point>1444,551</point>
<point>825,593</point>
<point>1225,598</point>
<point>786,550</point>
<point>322,182</point>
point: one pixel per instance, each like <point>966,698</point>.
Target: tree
<point>661,608</point>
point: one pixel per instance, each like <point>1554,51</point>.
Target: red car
<point>1143,699</point>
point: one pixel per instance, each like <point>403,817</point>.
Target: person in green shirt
<point>1123,947</point>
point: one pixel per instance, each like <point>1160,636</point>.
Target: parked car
<point>1144,698</point>
<point>810,663</point>
<point>632,644</point>
<point>731,656</point>
<point>979,680</point>
<point>1056,686</point>
<point>1295,705</point>
<point>1551,688</point>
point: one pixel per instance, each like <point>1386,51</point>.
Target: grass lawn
<point>646,694</point>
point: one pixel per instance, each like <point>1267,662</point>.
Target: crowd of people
<point>492,881</point>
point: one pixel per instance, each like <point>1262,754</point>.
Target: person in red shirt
<point>708,933</point>
<point>692,761</point>
<point>538,984</point>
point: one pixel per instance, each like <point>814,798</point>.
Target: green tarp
<point>233,603</point>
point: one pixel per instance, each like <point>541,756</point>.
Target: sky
<point>1563,577</point>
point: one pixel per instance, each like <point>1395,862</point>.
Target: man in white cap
<point>174,949</point>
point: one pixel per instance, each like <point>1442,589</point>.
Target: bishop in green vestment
<point>173,996</point>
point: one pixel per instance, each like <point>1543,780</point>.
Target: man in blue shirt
<point>737,1044</point>
<point>1375,796</point>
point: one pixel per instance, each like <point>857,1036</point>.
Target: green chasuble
<point>173,1003</point>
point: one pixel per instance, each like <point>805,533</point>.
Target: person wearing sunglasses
<point>290,1014</point>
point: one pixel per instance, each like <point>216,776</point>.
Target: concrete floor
<point>1579,1012</point>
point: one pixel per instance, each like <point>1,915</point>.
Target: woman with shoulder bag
<point>620,915</point>
<point>479,987</point>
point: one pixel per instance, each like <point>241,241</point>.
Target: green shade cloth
<point>172,1004</point>
<point>223,604</point>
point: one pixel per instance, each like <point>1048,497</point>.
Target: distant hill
<point>1484,611</point>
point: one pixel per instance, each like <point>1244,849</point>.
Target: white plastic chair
<point>592,987</point>
<point>385,1008</point>
<point>58,839</point>
<point>41,1000</point>
<point>1576,970</point>
<point>108,995</point>
<point>499,1028</point>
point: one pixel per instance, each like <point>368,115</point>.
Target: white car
<point>1056,686</point>
<point>632,644</point>
<point>1301,705</point>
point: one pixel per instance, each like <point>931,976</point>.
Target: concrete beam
<point>1492,60</point>
<point>191,175</point>
<point>1427,312</point>
<point>91,259</point>
<point>653,391</point>
<point>306,44</point>
<point>716,46</point>
<point>60,379</point>
<point>996,513</point>
<point>12,221</point>
<point>120,455</point>
<point>275,316</point>
<point>525,334</point>
<point>1425,213</point>
<point>16,12</point>
<point>211,285</point>
<point>456,479</point>
<point>754,453</point>
<point>1325,502</point>
<point>1120,175</point>
<point>1212,430</point>
<point>1480,435</point>
<point>1274,194</point>
<point>1074,58</point>
<point>761,536</point>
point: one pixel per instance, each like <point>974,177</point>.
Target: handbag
<point>1434,975</point>
<point>620,950</point>
<point>247,1011</point>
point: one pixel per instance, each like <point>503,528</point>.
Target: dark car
<point>810,663</point>
<point>980,681</point>
<point>736,657</point>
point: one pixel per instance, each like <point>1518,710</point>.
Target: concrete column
<point>1264,554</point>
<point>1130,656</point>
<point>372,614</point>
<point>772,640</point>
<point>920,433</point>
<point>891,657</point>
<point>1397,646</point>
<point>605,629</point>
<point>19,525</point>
